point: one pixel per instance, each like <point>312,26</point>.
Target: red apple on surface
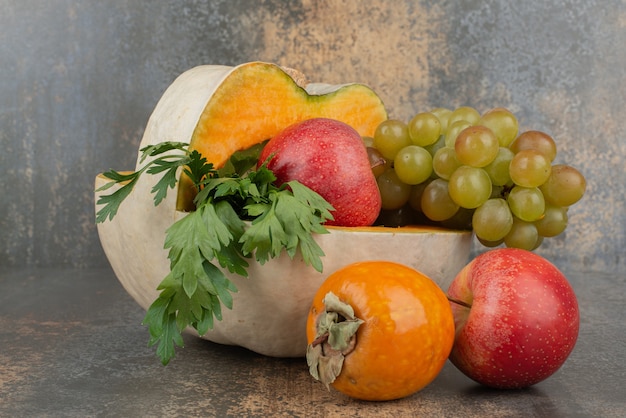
<point>516,318</point>
<point>329,157</point>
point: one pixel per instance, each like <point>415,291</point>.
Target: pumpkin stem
<point>335,339</point>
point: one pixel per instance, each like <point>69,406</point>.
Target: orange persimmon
<point>378,330</point>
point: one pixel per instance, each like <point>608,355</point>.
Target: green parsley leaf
<point>163,329</point>
<point>161,148</point>
<point>197,168</point>
<point>168,163</point>
<point>239,214</point>
<point>112,201</point>
<point>265,236</point>
<point>287,222</point>
<point>242,161</point>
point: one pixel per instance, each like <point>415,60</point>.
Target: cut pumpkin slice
<point>220,110</point>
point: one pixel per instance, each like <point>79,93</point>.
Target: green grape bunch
<point>460,169</point>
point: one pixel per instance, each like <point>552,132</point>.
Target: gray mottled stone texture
<point>78,80</point>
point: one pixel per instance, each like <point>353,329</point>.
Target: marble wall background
<point>78,80</point>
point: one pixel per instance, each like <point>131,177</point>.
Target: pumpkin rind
<point>270,307</point>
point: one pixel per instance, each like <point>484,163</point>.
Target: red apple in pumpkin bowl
<point>516,319</point>
<point>328,156</point>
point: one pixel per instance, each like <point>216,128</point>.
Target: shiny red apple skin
<point>523,322</point>
<point>329,157</point>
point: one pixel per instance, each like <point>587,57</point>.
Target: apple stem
<point>459,302</point>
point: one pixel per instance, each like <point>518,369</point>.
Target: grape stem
<point>459,302</point>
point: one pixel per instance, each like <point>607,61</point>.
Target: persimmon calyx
<point>335,338</point>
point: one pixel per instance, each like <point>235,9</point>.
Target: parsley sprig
<point>239,214</point>
<point>193,164</point>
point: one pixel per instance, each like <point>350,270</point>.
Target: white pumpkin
<point>270,308</point>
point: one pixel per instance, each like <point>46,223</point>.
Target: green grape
<point>461,220</point>
<point>553,222</point>
<point>492,220</point>
<point>393,192</point>
<point>522,235</point>
<point>390,137</point>
<point>397,217</point>
<point>465,113</point>
<point>436,203</point>
<point>498,191</point>
<point>378,163</point>
<point>413,164</point>
<point>537,140</point>
<point>529,168</point>
<point>503,123</point>
<point>527,203</point>
<point>490,244</point>
<point>498,169</point>
<point>469,187</point>
<point>445,162</point>
<point>454,130</point>
<point>415,199</point>
<point>433,148</point>
<point>443,115</point>
<point>538,243</point>
<point>476,146</point>
<point>565,186</point>
<point>424,129</point>
<point>368,141</point>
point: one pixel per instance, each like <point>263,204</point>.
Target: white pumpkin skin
<point>271,306</point>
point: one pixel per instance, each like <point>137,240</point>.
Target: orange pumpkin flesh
<point>406,336</point>
<point>256,101</point>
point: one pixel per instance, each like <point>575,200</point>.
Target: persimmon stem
<point>320,340</point>
<point>459,302</point>
<point>335,339</point>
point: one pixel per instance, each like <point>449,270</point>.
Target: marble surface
<point>78,80</point>
<point>72,346</point>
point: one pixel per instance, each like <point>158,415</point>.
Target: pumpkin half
<point>219,110</point>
